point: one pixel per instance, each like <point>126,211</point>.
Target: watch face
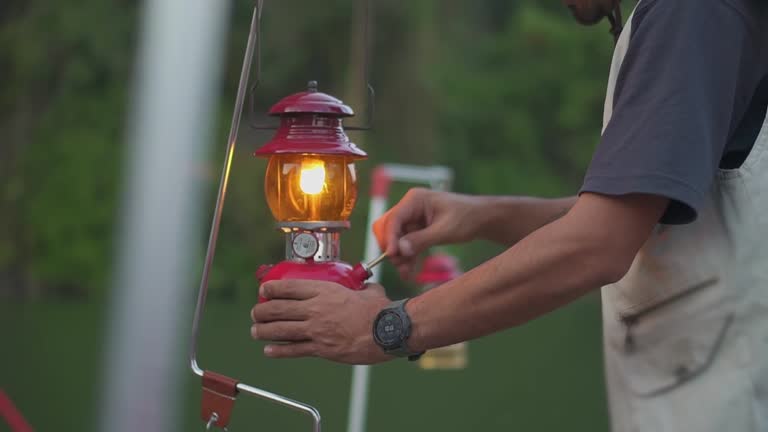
<point>389,329</point>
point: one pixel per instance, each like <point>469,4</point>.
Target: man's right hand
<point>425,218</point>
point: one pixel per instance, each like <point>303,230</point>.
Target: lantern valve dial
<point>305,245</point>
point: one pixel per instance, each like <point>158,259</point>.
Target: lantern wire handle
<point>367,47</point>
<point>213,238</point>
<point>257,70</point>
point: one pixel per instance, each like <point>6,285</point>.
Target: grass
<point>545,376</point>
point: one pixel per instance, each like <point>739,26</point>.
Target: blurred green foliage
<point>509,94</point>
<point>65,68</point>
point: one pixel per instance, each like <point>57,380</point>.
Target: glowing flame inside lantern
<point>312,178</point>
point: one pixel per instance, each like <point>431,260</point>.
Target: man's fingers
<point>405,270</point>
<point>380,232</point>
<point>415,242</point>
<point>279,310</point>
<point>290,289</point>
<point>280,331</point>
<point>405,216</point>
<point>291,350</point>
<point>399,259</point>
<point>392,232</point>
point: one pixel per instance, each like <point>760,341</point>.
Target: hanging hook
<point>212,422</point>
<point>257,69</point>
<point>367,46</point>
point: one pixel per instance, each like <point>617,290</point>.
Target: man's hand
<point>425,218</point>
<point>319,319</point>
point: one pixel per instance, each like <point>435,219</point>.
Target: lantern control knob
<point>305,245</point>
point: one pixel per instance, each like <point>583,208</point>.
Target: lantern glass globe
<point>310,187</point>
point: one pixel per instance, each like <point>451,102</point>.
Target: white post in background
<point>176,75</point>
<point>358,401</point>
<point>436,177</point>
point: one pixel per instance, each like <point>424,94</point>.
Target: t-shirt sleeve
<point>674,101</point>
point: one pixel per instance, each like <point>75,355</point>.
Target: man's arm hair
<point>509,219</point>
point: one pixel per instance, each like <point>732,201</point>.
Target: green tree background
<point>507,93</point>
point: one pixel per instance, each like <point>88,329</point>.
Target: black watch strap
<point>396,345</point>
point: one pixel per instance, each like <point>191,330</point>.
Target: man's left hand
<point>319,319</point>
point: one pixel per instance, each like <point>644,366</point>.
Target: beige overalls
<point>686,330</point>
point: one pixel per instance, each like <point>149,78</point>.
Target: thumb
<point>415,242</point>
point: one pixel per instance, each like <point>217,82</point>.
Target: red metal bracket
<point>219,394</point>
<point>12,416</point>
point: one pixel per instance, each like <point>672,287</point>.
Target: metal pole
<point>223,183</point>
<point>178,66</point>
<point>251,47</point>
<point>436,177</point>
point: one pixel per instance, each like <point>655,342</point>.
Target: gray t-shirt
<point>690,97</point>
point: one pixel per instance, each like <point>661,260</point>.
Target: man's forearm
<point>508,219</point>
<point>593,245</point>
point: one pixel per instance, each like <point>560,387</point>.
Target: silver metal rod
<point>221,197</point>
<point>436,177</point>
<point>377,261</point>
<point>290,403</point>
<point>242,90</point>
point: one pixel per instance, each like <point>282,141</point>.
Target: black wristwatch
<point>391,330</point>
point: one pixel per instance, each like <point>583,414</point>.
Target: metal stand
<point>436,177</point>
<point>194,365</point>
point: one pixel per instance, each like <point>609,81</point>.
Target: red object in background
<point>381,180</point>
<point>311,123</point>
<point>438,268</point>
<point>12,415</point>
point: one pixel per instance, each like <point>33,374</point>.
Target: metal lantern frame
<point>219,391</point>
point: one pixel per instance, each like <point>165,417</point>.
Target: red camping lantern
<point>311,188</point>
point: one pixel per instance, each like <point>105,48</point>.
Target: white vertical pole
<point>358,398</point>
<point>177,69</point>
<point>437,177</point>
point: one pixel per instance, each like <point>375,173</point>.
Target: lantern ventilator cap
<point>311,123</point>
<point>311,101</point>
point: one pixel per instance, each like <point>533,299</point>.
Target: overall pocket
<point>667,318</point>
<point>631,319</point>
<point>669,343</point>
